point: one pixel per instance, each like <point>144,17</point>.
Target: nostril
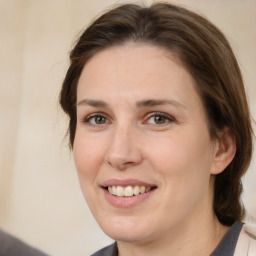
<point>123,153</point>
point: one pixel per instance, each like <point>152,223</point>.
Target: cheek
<point>88,158</point>
<point>182,159</point>
<point>183,167</point>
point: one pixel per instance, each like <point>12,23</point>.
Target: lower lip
<point>127,202</point>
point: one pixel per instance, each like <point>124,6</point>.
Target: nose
<point>124,150</point>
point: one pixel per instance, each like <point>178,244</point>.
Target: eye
<point>160,118</point>
<point>96,119</point>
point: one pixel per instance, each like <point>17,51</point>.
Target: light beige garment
<point>246,244</point>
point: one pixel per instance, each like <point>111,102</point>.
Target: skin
<point>165,144</point>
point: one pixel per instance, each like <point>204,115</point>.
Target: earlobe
<point>225,151</point>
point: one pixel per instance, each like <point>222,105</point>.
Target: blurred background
<point>40,198</point>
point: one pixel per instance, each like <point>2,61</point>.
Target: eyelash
<point>167,118</point>
<point>88,119</point>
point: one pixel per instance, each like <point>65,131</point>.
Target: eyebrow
<point>159,102</point>
<point>139,104</point>
<point>92,103</point>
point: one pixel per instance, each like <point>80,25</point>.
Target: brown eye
<point>96,119</point>
<point>159,119</point>
<point>99,120</point>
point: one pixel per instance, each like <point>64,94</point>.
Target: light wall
<point>40,198</point>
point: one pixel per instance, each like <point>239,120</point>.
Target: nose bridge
<point>121,134</point>
<point>123,148</point>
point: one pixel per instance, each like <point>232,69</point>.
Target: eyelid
<point>93,115</point>
<point>162,114</point>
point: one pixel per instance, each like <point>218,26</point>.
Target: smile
<point>128,191</point>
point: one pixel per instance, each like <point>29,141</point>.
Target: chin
<point>128,236</point>
<point>126,230</point>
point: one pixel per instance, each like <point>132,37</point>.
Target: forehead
<point>133,64</point>
<point>138,70</point>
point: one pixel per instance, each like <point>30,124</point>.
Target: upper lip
<point>126,182</point>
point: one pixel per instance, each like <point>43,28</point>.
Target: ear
<point>224,151</point>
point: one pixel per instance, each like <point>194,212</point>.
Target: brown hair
<point>207,55</point>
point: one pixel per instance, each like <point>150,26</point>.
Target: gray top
<point>225,248</point>
<point>12,246</point>
<point>227,245</point>
<point>110,250</point>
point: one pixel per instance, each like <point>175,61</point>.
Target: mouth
<point>128,191</point>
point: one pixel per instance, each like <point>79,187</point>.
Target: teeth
<point>120,191</point>
<point>148,189</point>
<point>136,190</point>
<point>114,190</point>
<point>128,190</point>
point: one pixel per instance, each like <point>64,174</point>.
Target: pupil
<point>100,120</point>
<point>159,119</point>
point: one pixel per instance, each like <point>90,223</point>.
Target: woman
<point>161,132</point>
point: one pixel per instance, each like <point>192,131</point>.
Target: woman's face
<point>142,148</point>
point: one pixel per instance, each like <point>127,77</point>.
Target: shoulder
<point>110,250</point>
<point>12,246</point>
<point>246,244</point>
